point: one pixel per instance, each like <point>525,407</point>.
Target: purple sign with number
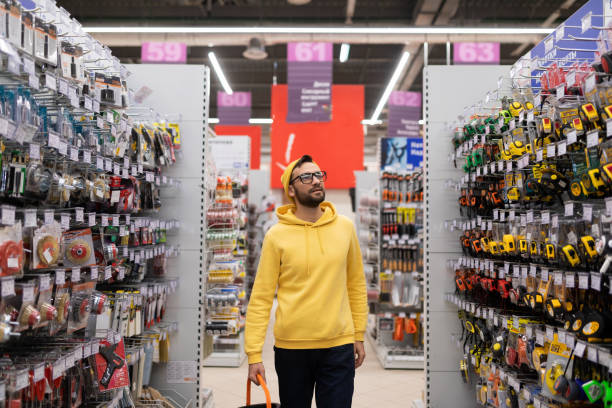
<point>173,52</point>
<point>234,109</point>
<point>309,80</point>
<point>404,114</point>
<point>476,53</point>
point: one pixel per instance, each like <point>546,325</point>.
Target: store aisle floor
<point>374,386</point>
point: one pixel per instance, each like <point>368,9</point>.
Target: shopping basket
<point>268,404</point>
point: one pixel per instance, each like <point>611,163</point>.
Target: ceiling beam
<point>547,23</point>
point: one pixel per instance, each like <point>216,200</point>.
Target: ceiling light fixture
<point>298,2</point>
<point>255,50</point>
<point>344,52</point>
<point>322,30</point>
<point>391,85</point>
<point>220,75</point>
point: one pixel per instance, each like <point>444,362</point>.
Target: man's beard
<point>307,200</point>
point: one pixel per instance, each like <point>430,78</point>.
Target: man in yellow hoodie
<point>311,259</point>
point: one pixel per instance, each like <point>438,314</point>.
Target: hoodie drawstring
<point>320,242</point>
<point>307,251</point>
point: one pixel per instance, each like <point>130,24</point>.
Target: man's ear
<point>291,191</point>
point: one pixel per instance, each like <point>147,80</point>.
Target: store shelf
<point>389,361</point>
<point>218,359</point>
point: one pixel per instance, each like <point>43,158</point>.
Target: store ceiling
<point>369,64</point>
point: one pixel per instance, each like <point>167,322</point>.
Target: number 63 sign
<point>476,53</point>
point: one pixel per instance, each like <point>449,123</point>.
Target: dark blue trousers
<point>329,372</point>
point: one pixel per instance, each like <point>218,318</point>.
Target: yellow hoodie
<point>317,269</point>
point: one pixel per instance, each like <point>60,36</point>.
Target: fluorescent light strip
<point>391,85</point>
<point>321,30</point>
<point>253,121</point>
<point>344,52</point>
<point>220,75</point>
<point>269,121</point>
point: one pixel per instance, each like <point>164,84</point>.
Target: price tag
<point>79,214</point>
<point>104,220</point>
<point>530,216</point>
<point>69,360</point>
<point>569,209</point>
<point>30,218</point>
<point>539,155</point>
<point>561,148</point>
<point>121,272</point>
<point>65,221</point>
<point>100,162</point>
<point>63,87</point>
<point>533,270</point>
<point>571,137</point>
<point>540,337</point>
<point>8,287</point>
<point>62,148</point>
<point>140,168</point>
<point>108,272</point>
<point>58,368</point>
<point>516,271</point>
<point>127,218</point>
<point>570,280</point>
<point>60,277</point>
<point>45,282</point>
<point>596,281</point>
<point>116,169</point>
<point>91,219</point>
<point>115,220</point>
<point>550,150</point>
<point>34,151</point>
<point>88,103</point>
<point>509,166</point>
<point>73,96</point>
<point>28,294</point>
<point>100,123</point>
<point>583,281</point>
<point>545,274</point>
<point>149,177</point>
<point>94,273</point>
<point>96,106</point>
<point>587,212</point>
<point>523,220</point>
<point>560,91</point>
<point>550,333</point>
<point>592,138</point>
<point>50,81</point>
<point>579,349</point>
<point>570,340</point>
<point>75,275</point>
<point>95,347</point>
<point>561,336</point>
<point>109,117</point>
<point>108,164</point>
<point>49,216</point>
<point>555,221</point>
<point>53,140</point>
<point>86,156</point>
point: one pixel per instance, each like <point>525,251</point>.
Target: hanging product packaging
<point>78,248</point>
<point>14,24</point>
<point>80,305</point>
<point>44,304</point>
<point>46,249</point>
<point>11,250</point>
<point>29,316</point>
<point>111,368</point>
<point>27,32</point>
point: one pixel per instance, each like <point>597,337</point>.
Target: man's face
<point>308,195</point>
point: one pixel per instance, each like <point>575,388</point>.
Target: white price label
<point>550,150</point>
<point>62,148</point>
<point>108,164</point>
<point>54,140</point>
<point>116,220</point>
<point>65,221</point>
<point>34,151</point>
<point>579,349</point>
<point>571,137</point>
<point>569,209</point>
<point>104,220</point>
<point>91,219</point>
<point>50,81</point>
<point>596,281</point>
<point>28,294</point>
<point>75,275</point>
<point>100,162</point>
<point>592,138</point>
<point>88,103</point>
<point>86,156</point>
<point>108,272</point>
<point>561,148</point>
<point>587,212</point>
<point>63,87</point>
<point>94,273</point>
<point>49,216</point>
<point>539,155</point>
<point>60,277</point>
<point>79,214</point>
<point>74,154</point>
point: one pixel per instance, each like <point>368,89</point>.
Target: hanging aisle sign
<point>476,53</point>
<point>309,80</point>
<point>404,114</point>
<point>401,153</point>
<point>234,109</point>
<point>173,52</point>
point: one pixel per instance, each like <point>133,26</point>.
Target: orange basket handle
<point>265,389</point>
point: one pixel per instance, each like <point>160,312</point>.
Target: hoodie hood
<point>286,215</point>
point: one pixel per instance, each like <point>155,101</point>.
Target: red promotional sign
<point>254,132</point>
<point>476,53</point>
<point>336,146</point>
<point>174,52</point>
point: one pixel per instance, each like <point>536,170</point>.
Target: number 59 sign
<point>164,52</point>
<point>476,53</point>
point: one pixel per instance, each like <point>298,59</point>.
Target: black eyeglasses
<point>306,178</point>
